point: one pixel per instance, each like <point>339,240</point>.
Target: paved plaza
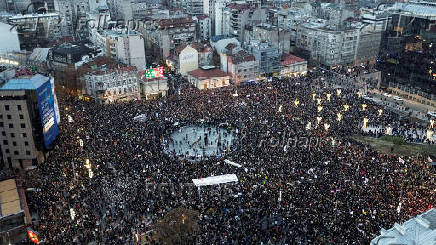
<point>199,142</point>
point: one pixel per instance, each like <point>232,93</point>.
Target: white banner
<point>232,163</point>
<point>215,180</point>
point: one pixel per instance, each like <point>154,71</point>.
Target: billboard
<point>156,72</point>
<point>47,112</point>
<point>56,105</point>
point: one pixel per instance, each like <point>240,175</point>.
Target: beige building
<point>208,77</point>
<point>153,89</point>
<point>188,60</point>
<point>293,66</point>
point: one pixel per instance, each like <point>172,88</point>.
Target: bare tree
<point>178,226</point>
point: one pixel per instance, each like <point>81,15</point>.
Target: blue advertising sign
<point>47,113</point>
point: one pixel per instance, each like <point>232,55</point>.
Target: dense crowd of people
<point>302,180</point>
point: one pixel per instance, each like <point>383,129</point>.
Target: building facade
<point>126,46</point>
<point>108,86</point>
<point>188,60</point>
<point>272,34</point>
<point>29,120</point>
<point>152,89</point>
<point>326,46</point>
<point>207,78</point>
<point>36,30</point>
<point>164,35</point>
<point>242,66</point>
<point>267,55</point>
<point>293,66</point>
<point>203,27</point>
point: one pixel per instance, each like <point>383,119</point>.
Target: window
<point>14,143</point>
<point>7,151</point>
<point>12,135</point>
<point>1,124</point>
<point>28,153</point>
<point>19,107</point>
<point>1,116</point>
<point>16,153</point>
<point>9,117</point>
<point>11,125</point>
<point>23,125</point>
<point>21,116</point>
<point>26,143</point>
<point>4,133</point>
<point>6,107</point>
<point>24,135</point>
<point>5,142</point>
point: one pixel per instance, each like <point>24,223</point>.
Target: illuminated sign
<point>151,73</point>
<point>33,236</point>
<point>47,111</point>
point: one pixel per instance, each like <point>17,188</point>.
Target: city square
<point>217,122</point>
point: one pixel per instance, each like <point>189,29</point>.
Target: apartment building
<point>29,120</point>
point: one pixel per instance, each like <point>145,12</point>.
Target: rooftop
<point>423,9</point>
<point>103,64</point>
<point>165,23</point>
<point>72,48</point>
<point>10,200</point>
<point>419,230</point>
<point>39,54</point>
<point>241,6</point>
<point>219,37</point>
<point>207,73</point>
<point>25,83</point>
<point>242,56</point>
<point>202,17</point>
<point>289,59</point>
<point>200,47</point>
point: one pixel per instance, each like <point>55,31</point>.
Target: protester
<point>299,183</point>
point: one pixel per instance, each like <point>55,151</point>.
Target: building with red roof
<point>242,65</point>
<point>209,77</point>
<point>107,80</point>
<point>293,66</point>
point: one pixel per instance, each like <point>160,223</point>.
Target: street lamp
<point>319,109</point>
<point>318,119</point>
<point>326,126</point>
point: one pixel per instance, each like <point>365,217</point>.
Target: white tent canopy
<point>232,163</point>
<point>215,180</point>
<point>140,118</point>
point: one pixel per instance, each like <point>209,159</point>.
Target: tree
<point>178,226</point>
<point>216,59</point>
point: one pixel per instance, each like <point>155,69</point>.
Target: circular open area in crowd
<point>200,142</point>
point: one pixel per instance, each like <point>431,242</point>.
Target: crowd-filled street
<point>302,180</point>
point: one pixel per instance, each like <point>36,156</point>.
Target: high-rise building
<point>36,30</point>
<point>29,120</point>
<point>15,6</point>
